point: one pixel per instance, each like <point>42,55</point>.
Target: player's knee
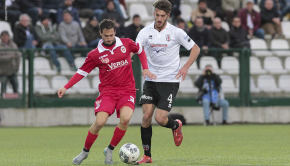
<point>125,122</point>
<point>147,117</point>
<point>161,120</point>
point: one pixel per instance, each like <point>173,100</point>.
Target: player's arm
<point>137,48</point>
<point>189,44</point>
<point>194,52</point>
<point>82,72</point>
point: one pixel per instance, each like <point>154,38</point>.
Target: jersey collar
<point>166,27</point>
<point>101,48</point>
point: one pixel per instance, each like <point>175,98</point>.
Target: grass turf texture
<point>234,145</point>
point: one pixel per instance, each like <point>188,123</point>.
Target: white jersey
<point>162,50</point>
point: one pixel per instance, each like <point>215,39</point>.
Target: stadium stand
<point>42,67</point>
<point>280,44</point>
<point>283,83</point>
<point>139,8</point>
<point>228,85</point>
<point>186,11</point>
<point>260,48</point>
<point>256,66</point>
<point>6,26</point>
<point>273,65</point>
<point>210,60</point>
<point>267,83</point>
<point>230,65</point>
<point>65,68</point>
<point>83,86</point>
<point>42,86</point>
<point>186,86</point>
<point>285,28</point>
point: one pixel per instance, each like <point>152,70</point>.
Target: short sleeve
<point>183,39</point>
<point>141,38</point>
<point>134,47</point>
<point>89,64</point>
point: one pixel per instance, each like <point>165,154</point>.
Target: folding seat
<point>259,47</point>
<point>84,87</point>
<point>193,68</point>
<point>79,61</point>
<point>228,85</point>
<point>285,28</point>
<point>273,65</point>
<point>139,8</point>
<point>95,84</point>
<point>186,11</point>
<point>187,87</point>
<point>255,66</point>
<point>225,26</point>
<point>230,65</point>
<point>205,60</point>
<point>5,26</point>
<point>287,64</point>
<point>42,66</point>
<point>282,44</point>
<point>284,81</point>
<point>65,68</point>
<point>253,87</point>
<point>41,85</point>
<point>267,84</point>
<point>59,82</point>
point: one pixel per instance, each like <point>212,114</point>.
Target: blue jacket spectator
<point>209,85</point>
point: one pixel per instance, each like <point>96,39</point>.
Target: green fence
<point>244,98</point>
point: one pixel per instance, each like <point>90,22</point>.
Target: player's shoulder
<point>175,29</point>
<point>126,40</point>
<point>94,53</point>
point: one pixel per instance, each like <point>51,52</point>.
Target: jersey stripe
<point>81,72</point>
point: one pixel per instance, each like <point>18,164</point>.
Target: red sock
<point>90,140</point>
<point>118,135</point>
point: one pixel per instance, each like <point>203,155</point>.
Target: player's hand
<point>61,92</point>
<point>147,73</point>
<point>182,73</point>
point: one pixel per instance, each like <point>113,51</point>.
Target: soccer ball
<point>129,153</point>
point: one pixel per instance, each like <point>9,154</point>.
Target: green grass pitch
<point>233,145</point>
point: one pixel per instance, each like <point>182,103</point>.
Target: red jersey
<point>115,65</point>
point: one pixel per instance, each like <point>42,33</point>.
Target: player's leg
<point>120,130</point>
<point>104,107</point>
<point>167,92</point>
<point>147,101</point>
<point>101,119</point>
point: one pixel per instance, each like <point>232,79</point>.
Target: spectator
<point>270,20</point>
<point>9,62</point>
<point>13,11</point>
<point>209,85</point>
<point>281,6</point>
<point>49,38</point>
<point>31,7</point>
<point>111,13</point>
<point>180,23</point>
<point>216,7</point>
<point>24,34</point>
<point>200,35</point>
<point>238,36</point>
<point>70,32</point>
<point>251,20</point>
<point>67,6</point>
<point>204,12</point>
<point>230,8</point>
<point>91,32</point>
<point>133,29</point>
<point>50,8</point>
<point>176,13</point>
<point>219,38</point>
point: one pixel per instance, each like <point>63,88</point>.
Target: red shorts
<point>111,102</point>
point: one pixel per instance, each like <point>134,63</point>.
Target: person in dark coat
<point>24,34</point>
<point>68,6</point>
<point>32,7</point>
<point>133,29</point>
<point>238,36</point>
<point>91,32</point>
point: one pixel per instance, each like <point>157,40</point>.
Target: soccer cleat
<point>177,134</point>
<point>79,158</point>
<point>108,156</point>
<point>145,159</point>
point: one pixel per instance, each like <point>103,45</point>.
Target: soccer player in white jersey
<point>161,42</point>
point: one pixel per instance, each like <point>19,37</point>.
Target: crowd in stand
<point>51,24</point>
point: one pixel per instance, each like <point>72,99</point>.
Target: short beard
<point>162,26</point>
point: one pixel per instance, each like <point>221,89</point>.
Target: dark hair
<point>180,20</point>
<point>4,33</point>
<point>200,1</point>
<point>164,5</point>
<point>107,24</point>
<point>136,16</point>
<point>67,11</point>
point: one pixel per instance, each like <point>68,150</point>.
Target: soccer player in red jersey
<point>117,87</point>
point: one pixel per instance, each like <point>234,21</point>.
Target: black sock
<point>84,149</point>
<point>146,134</point>
<point>172,124</point>
<point>111,147</point>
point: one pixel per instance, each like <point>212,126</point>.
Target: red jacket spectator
<point>256,19</point>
